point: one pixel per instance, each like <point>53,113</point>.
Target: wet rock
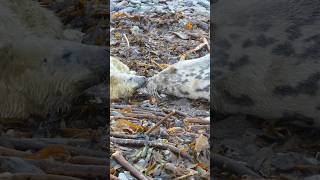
<point>135,1</point>
<point>128,9</point>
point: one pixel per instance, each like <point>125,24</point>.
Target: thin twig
<point>184,55</point>
<point>127,40</point>
<point>123,117</point>
<point>145,116</point>
<point>158,65</point>
<point>121,135</point>
<point>206,42</point>
<point>198,127</point>
<point>159,123</point>
<point>196,120</point>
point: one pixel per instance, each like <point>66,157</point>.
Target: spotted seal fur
<point>266,59</point>
<point>187,79</point>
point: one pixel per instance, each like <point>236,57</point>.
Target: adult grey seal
<point>266,59</point>
<point>188,79</point>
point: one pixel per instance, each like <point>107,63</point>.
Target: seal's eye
<point>130,79</point>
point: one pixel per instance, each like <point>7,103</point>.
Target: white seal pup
<point>123,82</point>
<point>41,71</point>
<point>187,79</point>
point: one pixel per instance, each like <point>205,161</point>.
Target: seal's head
<point>123,82</point>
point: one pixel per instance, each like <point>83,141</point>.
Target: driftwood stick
<point>145,116</point>
<point>34,144</point>
<point>160,122</point>
<point>205,41</point>
<point>118,106</point>
<point>12,152</point>
<point>232,165</point>
<point>196,120</point>
<point>88,160</point>
<point>124,163</point>
<point>122,135</point>
<point>198,127</point>
<point>151,110</point>
<point>133,142</point>
<point>123,117</point>
<point>81,171</point>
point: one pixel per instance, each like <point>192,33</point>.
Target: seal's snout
<point>139,80</point>
<point>143,80</point>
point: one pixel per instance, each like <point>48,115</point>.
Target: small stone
<point>122,4</point>
<point>144,8</point>
<point>123,176</point>
<point>188,3</point>
<point>135,30</point>
<point>160,9</point>
<point>114,113</point>
<point>135,1</point>
<point>128,9</point>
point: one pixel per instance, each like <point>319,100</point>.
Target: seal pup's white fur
<point>123,82</point>
<point>42,71</point>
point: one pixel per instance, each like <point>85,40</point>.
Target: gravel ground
<point>189,7</point>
